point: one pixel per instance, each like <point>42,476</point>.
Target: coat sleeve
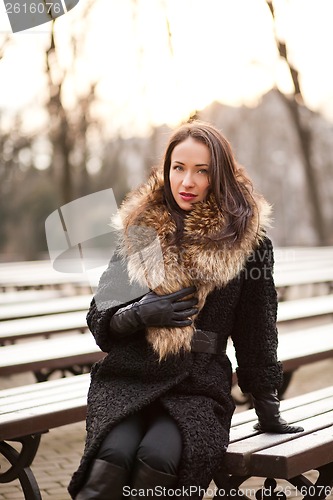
<point>255,335</point>
<point>113,292</point>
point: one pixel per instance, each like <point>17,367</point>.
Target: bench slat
<point>239,453</point>
<point>14,406</point>
<point>50,353</point>
<point>305,308</point>
<point>53,323</point>
<point>300,347</point>
<point>307,345</point>
<point>286,404</point>
<point>302,277</point>
<point>309,410</point>
<point>55,306</point>
<point>295,349</point>
<point>69,384</point>
<point>287,311</point>
<point>43,418</point>
<point>288,460</point>
<point>11,410</point>
<point>27,296</point>
<point>26,400</point>
<point>293,415</point>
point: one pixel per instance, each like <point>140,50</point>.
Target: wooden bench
<point>287,279</point>
<point>287,311</point>
<point>26,296</point>
<point>38,275</point>
<point>72,353</point>
<point>296,349</point>
<point>294,266</point>
<point>283,456</point>
<point>29,411</point>
<point>311,307</point>
<point>77,352</point>
<point>305,312</point>
<point>41,308</point>
<point>69,314</point>
<point>15,329</point>
<point>298,256</point>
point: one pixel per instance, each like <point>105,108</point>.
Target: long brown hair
<point>230,186</point>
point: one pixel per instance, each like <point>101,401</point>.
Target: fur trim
<point>203,260</point>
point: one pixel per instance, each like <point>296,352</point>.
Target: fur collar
<point>202,260</point>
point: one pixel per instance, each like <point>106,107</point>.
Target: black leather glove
<point>267,407</point>
<point>155,310</point>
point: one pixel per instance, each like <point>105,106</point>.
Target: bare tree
<point>59,131</point>
<point>67,130</point>
<point>295,103</point>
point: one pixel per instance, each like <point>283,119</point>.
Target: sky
<point>149,72</point>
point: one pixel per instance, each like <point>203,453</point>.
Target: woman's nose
<point>188,180</point>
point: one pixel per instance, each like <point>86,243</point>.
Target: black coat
<point>193,387</point>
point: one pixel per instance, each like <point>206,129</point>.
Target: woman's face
<point>189,173</point>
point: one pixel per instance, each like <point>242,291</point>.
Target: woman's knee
<point>158,459</point>
<point>116,455</point>
<point>120,445</point>
<point>161,448</point>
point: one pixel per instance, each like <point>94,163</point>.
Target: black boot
<point>146,477</point>
<point>105,481</point>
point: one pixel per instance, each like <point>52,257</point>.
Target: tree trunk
<point>294,103</point>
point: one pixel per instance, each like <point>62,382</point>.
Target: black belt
<point>206,341</point>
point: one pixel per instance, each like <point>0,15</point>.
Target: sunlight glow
<point>216,51</point>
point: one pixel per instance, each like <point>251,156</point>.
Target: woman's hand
<point>267,407</point>
<point>167,310</point>
<point>156,310</point>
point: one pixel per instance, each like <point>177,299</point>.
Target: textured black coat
<point>193,387</point>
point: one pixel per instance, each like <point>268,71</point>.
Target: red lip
<point>187,196</point>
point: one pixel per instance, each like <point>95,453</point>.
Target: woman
<point>159,404</point>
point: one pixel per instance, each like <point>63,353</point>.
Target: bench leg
<point>20,465</point>
<point>228,486</point>
<point>319,490</point>
<point>44,375</point>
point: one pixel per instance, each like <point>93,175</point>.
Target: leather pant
<point>150,435</point>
